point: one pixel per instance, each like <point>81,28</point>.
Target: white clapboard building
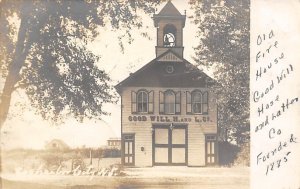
<point>169,112</point>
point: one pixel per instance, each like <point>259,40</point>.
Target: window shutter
<point>161,102</point>
<point>178,103</point>
<point>188,102</point>
<point>133,102</point>
<point>205,103</point>
<point>150,102</point>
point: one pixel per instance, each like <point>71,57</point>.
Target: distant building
<point>114,143</point>
<point>56,144</point>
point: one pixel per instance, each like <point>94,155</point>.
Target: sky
<point>24,129</point>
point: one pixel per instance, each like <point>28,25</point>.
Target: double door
<point>169,145</point>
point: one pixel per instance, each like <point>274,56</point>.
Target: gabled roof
<point>169,10</point>
<point>153,74</point>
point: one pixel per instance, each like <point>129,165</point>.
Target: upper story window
<point>169,35</point>
<point>197,102</point>
<point>169,102</point>
<point>142,101</point>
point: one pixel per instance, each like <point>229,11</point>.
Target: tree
<point>224,40</point>
<point>46,54</point>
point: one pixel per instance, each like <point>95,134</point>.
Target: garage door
<point>170,145</point>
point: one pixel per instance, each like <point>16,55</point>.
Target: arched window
<point>197,102</point>
<point>169,102</point>
<point>169,36</point>
<point>142,101</point>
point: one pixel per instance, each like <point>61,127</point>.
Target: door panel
<point>208,147</point>
<point>161,136</point>
<point>161,155</point>
<point>178,155</point>
<point>178,136</point>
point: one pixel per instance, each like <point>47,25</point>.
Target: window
<point>142,101</point>
<point>169,35</point>
<point>197,102</point>
<point>170,69</point>
<point>169,102</point>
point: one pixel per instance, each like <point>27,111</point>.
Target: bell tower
<point>169,23</point>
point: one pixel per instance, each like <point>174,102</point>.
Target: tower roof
<point>169,10</point>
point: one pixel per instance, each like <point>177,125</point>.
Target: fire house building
<point>168,109</point>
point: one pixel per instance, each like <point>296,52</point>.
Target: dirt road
<point>149,178</point>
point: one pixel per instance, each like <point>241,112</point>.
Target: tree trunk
<point>13,72</point>
<point>6,97</point>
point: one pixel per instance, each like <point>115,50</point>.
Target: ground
<point>150,177</point>
<point>154,177</point>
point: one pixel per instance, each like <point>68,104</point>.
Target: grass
<point>51,160</point>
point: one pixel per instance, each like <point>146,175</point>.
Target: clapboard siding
<point>196,146</point>
<point>143,129</point>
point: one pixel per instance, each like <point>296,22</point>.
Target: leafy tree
<point>43,51</point>
<point>223,32</point>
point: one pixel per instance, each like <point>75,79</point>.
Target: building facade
<point>114,143</point>
<point>56,145</point>
<point>169,111</point>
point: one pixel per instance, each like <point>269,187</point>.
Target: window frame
<point>200,102</point>
<point>149,101</point>
<point>177,102</point>
<point>171,103</point>
<point>146,103</point>
<point>190,96</point>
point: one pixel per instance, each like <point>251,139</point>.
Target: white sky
<point>30,131</point>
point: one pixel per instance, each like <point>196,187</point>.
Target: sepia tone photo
<point>125,94</point>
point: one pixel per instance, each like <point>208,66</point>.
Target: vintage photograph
<point>125,94</point>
